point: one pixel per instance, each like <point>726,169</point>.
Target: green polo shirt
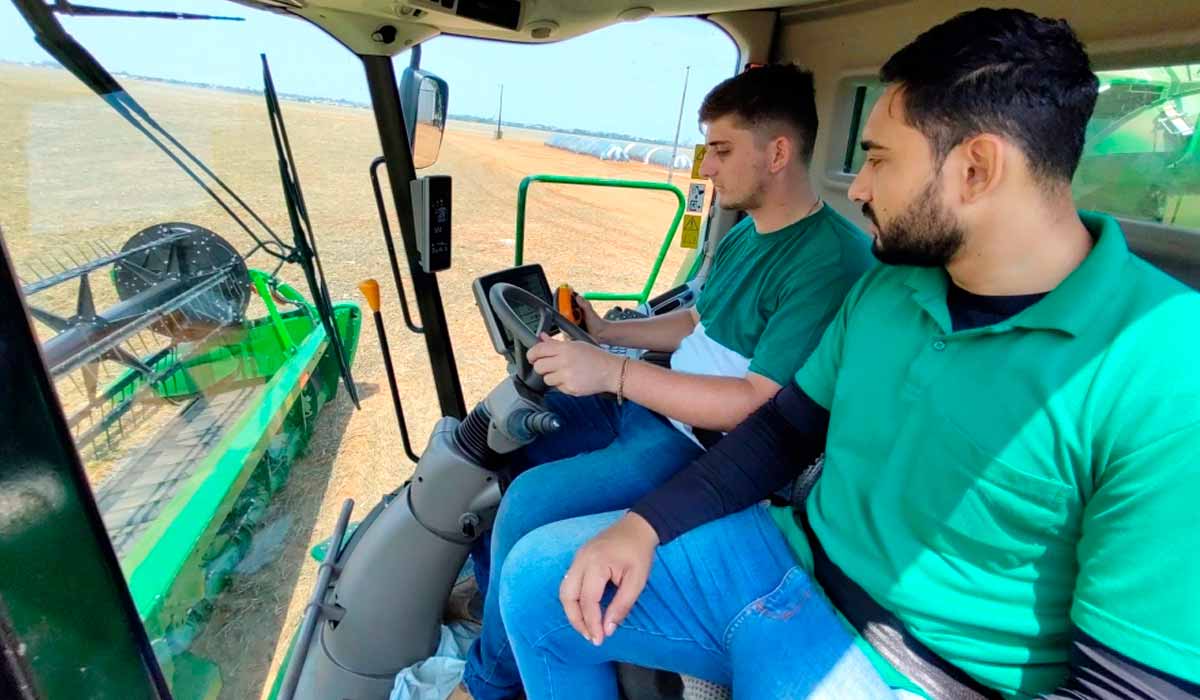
<point>770,295</point>
<point>992,486</point>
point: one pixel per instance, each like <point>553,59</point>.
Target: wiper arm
<point>305,242</point>
<point>51,36</point>
<point>64,7</point>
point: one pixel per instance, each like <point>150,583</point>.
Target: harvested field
<point>73,172</point>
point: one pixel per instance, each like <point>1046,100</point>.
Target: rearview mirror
<point>424,98</point>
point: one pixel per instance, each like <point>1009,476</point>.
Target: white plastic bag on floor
<point>436,677</point>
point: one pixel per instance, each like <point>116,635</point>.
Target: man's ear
<point>984,160</point>
<point>780,152</point>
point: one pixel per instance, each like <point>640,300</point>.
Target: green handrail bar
<point>641,297</point>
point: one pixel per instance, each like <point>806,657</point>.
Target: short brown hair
<point>776,93</point>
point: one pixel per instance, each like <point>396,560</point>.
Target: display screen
<point>529,314</point>
<point>532,279</point>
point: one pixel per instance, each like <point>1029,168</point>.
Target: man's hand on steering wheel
<point>593,322</point>
<point>575,367</point>
<point>502,297</point>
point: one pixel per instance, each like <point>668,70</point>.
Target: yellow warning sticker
<point>691,231</point>
<point>697,159</point>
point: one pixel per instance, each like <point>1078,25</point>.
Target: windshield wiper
<point>51,36</point>
<point>305,242</point>
<point>64,7</point>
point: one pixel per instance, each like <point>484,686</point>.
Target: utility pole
<point>678,123</point>
<point>499,112</point>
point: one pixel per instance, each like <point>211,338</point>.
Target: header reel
<point>177,287</point>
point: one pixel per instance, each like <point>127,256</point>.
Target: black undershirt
<point>775,443</point>
<point>968,310</point>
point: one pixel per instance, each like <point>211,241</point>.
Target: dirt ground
<point>73,172</point>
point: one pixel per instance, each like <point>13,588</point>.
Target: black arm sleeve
<point>763,453</point>
<point>1100,673</point>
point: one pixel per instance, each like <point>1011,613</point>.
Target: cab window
<point>1141,159</point>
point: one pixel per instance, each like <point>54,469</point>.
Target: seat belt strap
<point>887,634</point>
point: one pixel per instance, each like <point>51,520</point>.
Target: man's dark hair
<point>1005,72</point>
<point>772,94</point>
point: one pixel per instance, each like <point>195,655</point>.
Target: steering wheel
<point>503,297</point>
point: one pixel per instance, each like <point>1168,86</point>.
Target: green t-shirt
<point>993,486</point>
<point>770,296</point>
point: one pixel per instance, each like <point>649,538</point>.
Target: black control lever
<point>542,422</point>
<point>524,426</point>
<point>391,245</point>
<point>370,290</point>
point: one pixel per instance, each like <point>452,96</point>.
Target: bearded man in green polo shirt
<point>1010,416</point>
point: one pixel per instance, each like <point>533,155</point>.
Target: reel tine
<point>102,373</point>
<point>41,275</point>
<point>188,313</point>
<point>67,252</point>
<point>215,317</point>
<point>229,289</point>
<point>62,266</point>
<point>74,384</point>
<point>90,380</point>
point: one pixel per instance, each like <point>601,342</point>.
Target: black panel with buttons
<point>439,224</point>
<point>431,197</point>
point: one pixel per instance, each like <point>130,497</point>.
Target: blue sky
<point>627,78</point>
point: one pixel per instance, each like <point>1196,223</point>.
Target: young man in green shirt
<point>776,281</point>
<point>1010,416</point>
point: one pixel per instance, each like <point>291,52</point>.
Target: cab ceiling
<point>356,23</point>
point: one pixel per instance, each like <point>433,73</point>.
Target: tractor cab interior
<point>250,359</point>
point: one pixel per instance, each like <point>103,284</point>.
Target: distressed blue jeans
<point>725,602</point>
<point>604,457</point>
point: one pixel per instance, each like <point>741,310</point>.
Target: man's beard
<point>749,201</point>
<point>925,235</point>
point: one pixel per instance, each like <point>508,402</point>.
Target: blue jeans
<point>725,602</point>
<point>604,457</point>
